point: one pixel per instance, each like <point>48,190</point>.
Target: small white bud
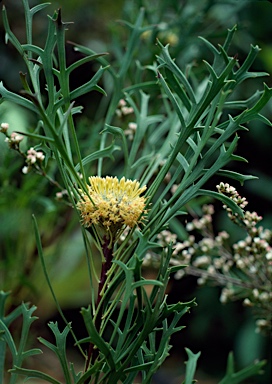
<point>4,127</point>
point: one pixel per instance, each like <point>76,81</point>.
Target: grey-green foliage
<point>182,129</point>
<point>18,353</point>
<point>233,377</point>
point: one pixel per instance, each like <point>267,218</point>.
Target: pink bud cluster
<point>4,127</point>
<point>123,109</point>
<point>14,140</point>
<point>32,157</point>
<point>130,131</point>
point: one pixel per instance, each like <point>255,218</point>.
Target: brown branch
<point>108,255</point>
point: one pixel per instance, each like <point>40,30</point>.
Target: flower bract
<point>111,203</point>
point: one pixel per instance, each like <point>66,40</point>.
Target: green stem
<point>2,359</point>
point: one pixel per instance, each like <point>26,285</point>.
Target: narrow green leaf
<point>243,104</point>
<point>49,345</point>
<point>14,98</point>
<point>180,308</point>
<point>89,86</point>
<point>133,43</point>
<point>238,158</point>
<point>224,54</point>
<point>32,373</point>
<point>96,367</point>
<point>233,377</point>
<point>192,144</point>
<point>252,113</point>
<point>9,34</point>
<point>96,339</point>
<point>230,364</point>
<point>172,99</point>
<point>129,325</point>
<point>140,367</point>
<point>3,298</point>
<point>38,8</point>
<point>90,52</point>
<point>225,200</point>
<point>84,60</point>
<point>235,175</point>
<point>106,152</point>
<point>144,244</point>
<point>60,348</point>
<point>146,282</point>
<point>32,352</point>
<point>23,77</point>
<point>47,278</point>
<point>42,138</point>
<point>177,88</point>
<point>211,71</point>
<point>116,131</point>
<point>183,162</point>
<point>33,48</point>
<point>7,337</point>
<point>229,37</point>
<point>2,357</point>
<point>210,46</point>
<point>64,119</point>
<point>141,86</point>
<point>144,160</point>
<point>47,60</point>
<point>40,253</point>
<point>27,321</point>
<point>13,315</point>
<point>178,73</point>
<point>263,119</point>
<point>239,75</point>
<point>191,366</point>
<point>176,268</point>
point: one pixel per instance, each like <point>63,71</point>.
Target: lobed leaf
<point>32,373</point>
<point>233,377</point>
<point>191,366</point>
<point>97,340</point>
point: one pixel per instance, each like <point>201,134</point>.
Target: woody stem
<point>108,255</point>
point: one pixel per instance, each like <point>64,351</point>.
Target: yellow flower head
<point>112,204</point>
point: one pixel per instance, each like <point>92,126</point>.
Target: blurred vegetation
<point>215,329</point>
